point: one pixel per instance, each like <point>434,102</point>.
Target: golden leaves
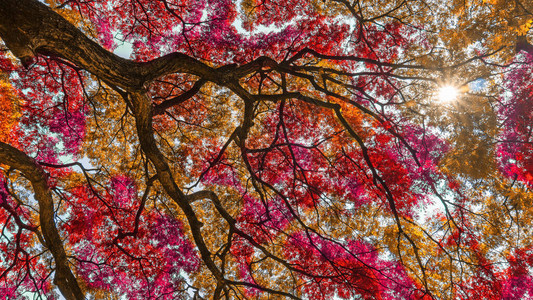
<point>524,28</point>
<point>109,140</point>
<point>491,23</point>
<point>9,109</point>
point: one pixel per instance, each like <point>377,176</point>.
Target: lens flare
<point>448,93</point>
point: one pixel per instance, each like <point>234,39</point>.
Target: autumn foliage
<point>265,149</point>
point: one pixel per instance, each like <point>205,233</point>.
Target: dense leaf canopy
<point>168,149</point>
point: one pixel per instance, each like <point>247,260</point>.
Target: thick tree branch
<point>28,27</point>
<point>523,45</point>
<point>143,119</point>
<point>64,278</point>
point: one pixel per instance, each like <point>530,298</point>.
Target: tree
<point>258,149</point>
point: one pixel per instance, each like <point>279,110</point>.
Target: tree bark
<point>64,278</point>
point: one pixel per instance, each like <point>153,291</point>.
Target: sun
<point>448,93</point>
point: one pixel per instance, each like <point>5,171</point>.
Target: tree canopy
<point>298,149</point>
